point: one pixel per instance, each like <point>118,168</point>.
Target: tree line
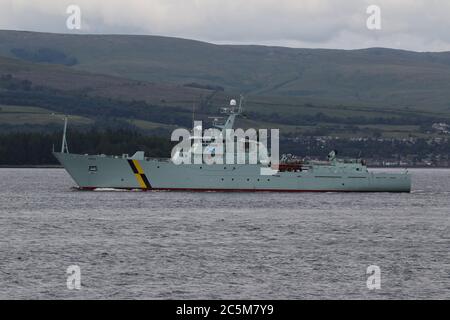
<point>367,148</point>
<point>24,93</point>
<point>35,148</point>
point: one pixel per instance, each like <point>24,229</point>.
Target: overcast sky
<point>421,25</point>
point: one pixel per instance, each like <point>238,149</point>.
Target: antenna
<point>241,104</point>
<point>193,113</point>
<point>64,147</point>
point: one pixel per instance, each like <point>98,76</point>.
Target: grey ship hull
<point>95,172</point>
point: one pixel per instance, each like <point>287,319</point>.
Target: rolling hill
<point>142,79</point>
<point>374,77</point>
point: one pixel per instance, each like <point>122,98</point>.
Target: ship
<point>139,172</point>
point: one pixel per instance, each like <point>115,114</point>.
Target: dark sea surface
<point>181,245</point>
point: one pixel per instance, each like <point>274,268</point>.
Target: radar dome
<point>233,103</point>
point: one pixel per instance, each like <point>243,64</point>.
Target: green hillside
<point>69,79</point>
<point>377,78</point>
<point>153,83</point>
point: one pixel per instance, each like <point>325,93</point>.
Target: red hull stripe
<point>238,190</point>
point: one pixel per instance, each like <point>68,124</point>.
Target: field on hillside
<point>153,83</point>
<point>22,115</point>
<point>377,78</point>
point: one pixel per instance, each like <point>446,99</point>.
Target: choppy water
<point>162,245</point>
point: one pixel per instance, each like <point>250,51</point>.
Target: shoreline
<point>56,166</point>
<point>61,167</point>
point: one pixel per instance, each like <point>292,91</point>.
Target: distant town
<point>380,152</point>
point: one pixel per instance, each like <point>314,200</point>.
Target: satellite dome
<point>233,103</point>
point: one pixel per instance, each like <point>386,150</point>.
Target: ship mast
<point>64,146</point>
<point>232,113</point>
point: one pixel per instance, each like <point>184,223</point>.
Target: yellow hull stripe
<point>140,181</point>
<point>138,166</point>
<point>139,174</point>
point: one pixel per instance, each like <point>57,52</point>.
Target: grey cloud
<point>408,24</point>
